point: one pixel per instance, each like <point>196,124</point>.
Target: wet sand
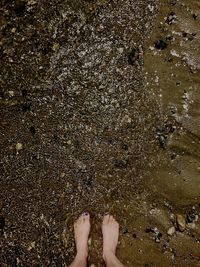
<point>99,112</point>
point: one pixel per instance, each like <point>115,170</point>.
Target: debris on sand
<point>171,231</point>
<point>31,246</point>
<point>181,222</point>
<point>19,147</point>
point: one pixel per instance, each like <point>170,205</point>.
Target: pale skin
<point>110,231</point>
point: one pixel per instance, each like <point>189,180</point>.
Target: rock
<point>190,217</point>
<point>11,93</point>
<point>161,45</point>
<point>13,30</point>
<point>162,141</point>
<point>181,222</point>
<point>62,175</point>
<point>126,119</point>
<point>173,2</point>
<point>69,142</point>
<point>19,147</point>
<point>31,2</point>
<point>156,232</point>
<point>191,225</point>
<point>135,56</point>
<point>171,18</point>
<point>125,231</point>
<point>171,231</point>
<point>56,46</point>
<point>31,246</point>
<point>195,16</point>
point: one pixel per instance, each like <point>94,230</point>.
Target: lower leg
<point>81,231</point>
<point>110,230</point>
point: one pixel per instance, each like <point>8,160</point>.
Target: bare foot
<point>110,230</point>
<point>81,232</point>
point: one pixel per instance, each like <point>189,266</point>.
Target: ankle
<point>83,255</point>
<point>107,255</point>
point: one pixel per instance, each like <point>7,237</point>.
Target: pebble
<point>11,93</point>
<point>126,119</point>
<point>62,174</point>
<point>171,231</point>
<point>19,146</point>
<point>160,45</point>
<point>31,246</point>
<point>191,225</point>
<point>181,223</point>
<point>56,46</point>
<point>191,217</point>
<point>13,30</point>
<point>31,2</point>
<point>69,142</point>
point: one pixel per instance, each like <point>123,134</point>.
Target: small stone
<point>171,18</point>
<point>194,16</point>
<point>13,30</point>
<point>31,2</point>
<point>160,45</point>
<point>56,46</point>
<point>191,225</point>
<point>171,231</point>
<point>69,142</point>
<point>11,93</point>
<point>31,246</point>
<point>126,119</point>
<point>181,223</point>
<point>125,231</point>
<point>190,217</point>
<point>62,174</point>
<point>121,50</point>
<point>19,146</point>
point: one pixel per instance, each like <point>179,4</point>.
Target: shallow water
<point>95,134</point>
